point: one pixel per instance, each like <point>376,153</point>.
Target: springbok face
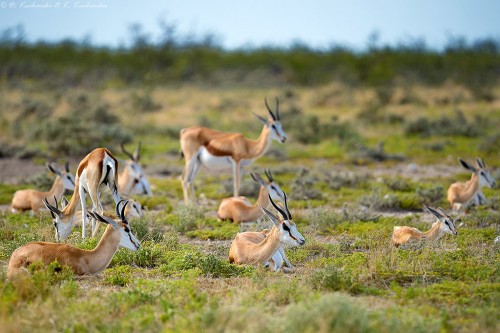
<point>288,230</point>
<point>447,224</point>
<point>141,184</point>
<point>272,188</point>
<point>67,178</point>
<point>135,209</point>
<point>127,239</point>
<point>273,123</point>
<point>485,178</point>
<point>62,224</point>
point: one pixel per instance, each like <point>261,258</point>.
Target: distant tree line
<point>173,58</point>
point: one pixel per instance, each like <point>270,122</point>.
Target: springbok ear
<point>103,219</point>
<point>262,119</point>
<point>433,212</point>
<point>480,163</point>
<point>256,177</point>
<point>466,165</point>
<point>137,152</point>
<point>64,202</point>
<point>53,169</point>
<point>442,212</point>
<point>271,216</point>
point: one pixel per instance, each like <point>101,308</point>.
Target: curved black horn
<point>55,200</point>
<point>66,166</point>
<point>50,207</point>
<point>277,208</point>
<point>122,215</point>
<point>277,108</point>
<point>286,206</point>
<point>267,172</point>
<point>126,152</point>
<point>118,208</point>
<point>269,110</point>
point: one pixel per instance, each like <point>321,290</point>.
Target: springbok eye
<point>274,127</point>
<point>136,181</point>
<point>285,227</point>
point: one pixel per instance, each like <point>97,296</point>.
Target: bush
<point>457,125</point>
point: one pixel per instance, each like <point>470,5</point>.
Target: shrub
<point>457,125</point>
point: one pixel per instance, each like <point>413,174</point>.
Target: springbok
<point>33,200</point>
<point>462,194</point>
<point>82,262</point>
<point>444,225</point>
<point>249,248</point>
<point>239,209</point>
<point>132,179</point>
<point>98,168</point>
<point>218,151</point>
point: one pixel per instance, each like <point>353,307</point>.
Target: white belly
<point>218,163</point>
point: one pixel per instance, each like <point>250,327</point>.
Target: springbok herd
<point>215,151</point>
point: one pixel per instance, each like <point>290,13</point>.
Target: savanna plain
<point>358,161</point>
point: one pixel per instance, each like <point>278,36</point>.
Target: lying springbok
<point>239,209</point>
<point>98,168</point>
<point>82,262</point>
<point>218,151</point>
<point>462,194</point>
<point>250,248</point>
<point>444,225</point>
<point>33,200</point>
<point>132,179</point>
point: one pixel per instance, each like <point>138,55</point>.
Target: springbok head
<point>140,183</point>
<point>273,122</point>
<point>62,223</point>
<point>485,178</point>
<point>67,178</point>
<point>134,209</point>
<point>272,188</point>
<point>288,230</point>
<point>447,224</point>
<point>128,239</point>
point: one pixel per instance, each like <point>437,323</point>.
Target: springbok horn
<point>122,215</point>
<point>269,175</point>
<point>286,207</point>
<point>277,108</point>
<point>269,109</point>
<point>66,166</point>
<point>118,207</point>
<point>277,208</point>
<point>126,152</point>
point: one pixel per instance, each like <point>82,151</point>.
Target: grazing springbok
<point>239,209</point>
<point>218,151</point>
<point>132,179</point>
<point>250,248</point>
<point>33,200</point>
<point>444,225</point>
<point>82,262</point>
<point>462,194</point>
<point>98,168</point>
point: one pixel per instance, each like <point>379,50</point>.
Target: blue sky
<point>318,23</point>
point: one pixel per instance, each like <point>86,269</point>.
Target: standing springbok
<point>246,248</point>
<point>444,225</point>
<point>132,179</point>
<point>98,168</point>
<point>239,209</point>
<point>462,194</point>
<point>217,150</point>
<point>82,262</point>
<point>33,200</point>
